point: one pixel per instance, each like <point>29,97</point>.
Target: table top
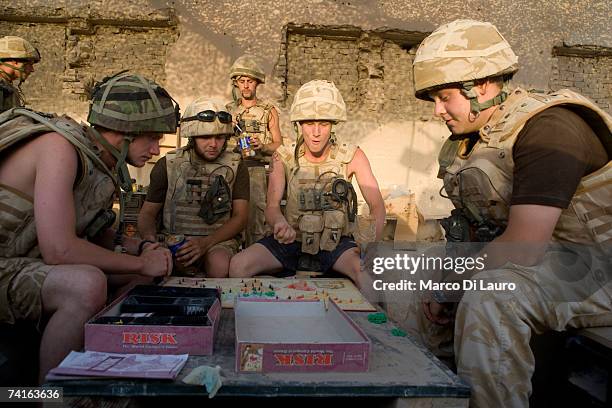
<point>398,368</point>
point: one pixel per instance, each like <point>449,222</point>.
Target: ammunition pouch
<point>311,227</point>
<point>217,201</point>
<point>310,199</point>
<point>105,218</point>
<point>332,231</point>
<point>459,228</point>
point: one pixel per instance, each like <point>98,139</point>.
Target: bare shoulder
<point>359,161</point>
<point>53,147</point>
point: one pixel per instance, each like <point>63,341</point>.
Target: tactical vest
<point>189,178</point>
<point>10,96</point>
<point>318,220</point>
<point>93,190</point>
<point>480,180</point>
<point>256,119</point>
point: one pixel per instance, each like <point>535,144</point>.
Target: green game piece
<point>270,293</point>
<point>396,331</point>
<point>377,318</point>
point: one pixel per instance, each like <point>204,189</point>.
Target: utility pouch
<point>311,226</point>
<point>332,231</point>
<point>310,199</point>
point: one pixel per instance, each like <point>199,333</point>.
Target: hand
<point>438,313</point>
<point>150,246</point>
<point>283,232</point>
<point>156,261</point>
<point>255,143</point>
<point>192,250</point>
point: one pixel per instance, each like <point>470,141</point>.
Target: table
<point>399,368</point>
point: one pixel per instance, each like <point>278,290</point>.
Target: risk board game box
<point>157,320</point>
<point>297,336</point>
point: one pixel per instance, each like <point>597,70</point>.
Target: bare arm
<point>360,166</point>
<point>527,235</point>
<point>283,232</point>
<point>147,218</point>
<point>274,128</point>
<point>56,167</point>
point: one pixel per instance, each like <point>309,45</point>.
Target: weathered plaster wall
<point>189,45</point>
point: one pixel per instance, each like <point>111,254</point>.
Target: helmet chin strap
<point>125,181</point>
<point>467,89</point>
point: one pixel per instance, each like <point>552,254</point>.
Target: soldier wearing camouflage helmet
<point>202,191</point>
<point>57,183</point>
<point>523,170</point>
<point>316,174</point>
<point>258,120</point>
<point>17,59</point>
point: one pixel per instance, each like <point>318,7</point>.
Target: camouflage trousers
<point>255,229</point>
<point>492,328</point>
<point>21,281</point>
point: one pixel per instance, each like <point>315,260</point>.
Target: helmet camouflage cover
<point>247,66</point>
<point>318,100</point>
<point>12,47</point>
<point>461,51</point>
<point>194,128</point>
<point>130,103</point>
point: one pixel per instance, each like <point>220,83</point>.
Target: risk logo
<point>303,359</point>
<point>149,338</point>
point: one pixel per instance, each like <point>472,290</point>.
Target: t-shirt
<point>553,151</point>
<point>159,183</point>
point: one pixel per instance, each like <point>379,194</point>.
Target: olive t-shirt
<point>159,183</point>
<point>553,151</point>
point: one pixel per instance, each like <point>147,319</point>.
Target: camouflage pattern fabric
<point>256,229</point>
<point>247,65</point>
<point>318,100</point>
<point>10,96</point>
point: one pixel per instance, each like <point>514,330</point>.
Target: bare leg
<point>254,260</point>
<point>217,262</point>
<point>71,294</point>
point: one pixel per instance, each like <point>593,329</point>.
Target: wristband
<point>142,244</point>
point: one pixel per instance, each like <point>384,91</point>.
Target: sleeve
<point>242,188</point>
<point>158,182</point>
<point>552,153</point>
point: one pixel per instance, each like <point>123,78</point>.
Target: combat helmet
<point>16,48</point>
<point>318,100</point>
<point>247,65</point>
<point>130,104</point>
<point>206,116</point>
<point>459,53</point>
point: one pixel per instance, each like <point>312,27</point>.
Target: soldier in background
<point>57,182</point>
<point>259,120</point>
<point>17,59</point>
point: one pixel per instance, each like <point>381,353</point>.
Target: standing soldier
<point>17,59</point>
<point>258,120</point>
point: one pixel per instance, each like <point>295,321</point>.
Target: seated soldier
<point>202,191</point>
<point>321,202</point>
<point>57,181</point>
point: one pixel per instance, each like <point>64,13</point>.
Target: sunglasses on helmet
<point>209,116</point>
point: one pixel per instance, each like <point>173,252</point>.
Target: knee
<point>238,266</point>
<point>88,289</point>
<point>218,264</point>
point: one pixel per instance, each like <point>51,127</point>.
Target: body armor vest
<point>10,96</point>
<point>480,181</point>
<point>256,119</point>
<point>93,190</point>
<point>318,219</point>
<point>189,180</point>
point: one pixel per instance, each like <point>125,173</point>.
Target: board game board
<point>342,291</point>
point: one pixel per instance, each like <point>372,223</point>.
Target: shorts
<point>21,282</point>
<point>289,254</point>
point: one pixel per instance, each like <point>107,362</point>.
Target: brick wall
<point>585,70</point>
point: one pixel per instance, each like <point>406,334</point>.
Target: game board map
<point>342,291</point>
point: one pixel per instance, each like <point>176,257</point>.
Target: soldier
<point>17,59</point>
<point>321,202</point>
<point>57,181</point>
<point>259,120</point>
<point>522,169</point>
<point>202,191</point>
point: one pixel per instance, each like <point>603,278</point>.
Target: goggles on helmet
<point>209,116</point>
